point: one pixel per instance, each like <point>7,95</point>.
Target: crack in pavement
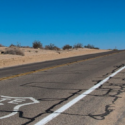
<point>108,108</point>
<point>47,111</point>
<point>101,116</point>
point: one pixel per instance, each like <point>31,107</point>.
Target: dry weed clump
<point>78,45</point>
<point>67,47</point>
<point>12,45</point>
<point>14,51</point>
<point>51,47</point>
<point>37,44</point>
<point>91,47</point>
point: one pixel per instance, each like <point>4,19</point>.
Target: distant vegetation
<point>14,51</point>
<point>78,45</point>
<point>37,44</point>
<point>65,47</point>
<point>51,47</point>
<point>12,45</point>
<point>18,45</point>
<point>91,47</point>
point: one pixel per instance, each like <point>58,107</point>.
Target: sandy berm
<point>32,55</point>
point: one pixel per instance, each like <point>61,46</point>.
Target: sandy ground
<point>38,55</point>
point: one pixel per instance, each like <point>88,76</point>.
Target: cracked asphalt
<point>39,94</point>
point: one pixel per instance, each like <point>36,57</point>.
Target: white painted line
<point>72,102</point>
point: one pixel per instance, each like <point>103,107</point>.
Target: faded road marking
<point>16,102</point>
<point>72,102</point>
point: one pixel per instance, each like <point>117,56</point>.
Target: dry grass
<point>14,51</point>
<point>51,47</point>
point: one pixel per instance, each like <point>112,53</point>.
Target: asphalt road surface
<point>30,93</point>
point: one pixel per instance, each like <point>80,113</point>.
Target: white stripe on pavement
<point>75,100</point>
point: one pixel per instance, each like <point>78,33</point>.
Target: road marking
<point>39,70</point>
<point>72,102</point>
<point>17,103</point>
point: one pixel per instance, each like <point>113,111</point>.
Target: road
<point>29,93</point>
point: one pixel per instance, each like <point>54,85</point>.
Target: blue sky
<point>97,22</point>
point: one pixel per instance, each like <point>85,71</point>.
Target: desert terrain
<point>32,55</point>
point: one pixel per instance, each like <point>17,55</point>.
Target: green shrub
<point>37,44</point>
<point>67,47</point>
<point>78,45</point>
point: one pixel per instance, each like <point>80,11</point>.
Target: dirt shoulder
<point>38,55</point>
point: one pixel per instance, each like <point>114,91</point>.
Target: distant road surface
<point>84,90</point>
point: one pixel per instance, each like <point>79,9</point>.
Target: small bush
<point>14,51</point>
<point>91,47</point>
<point>78,45</point>
<point>51,47</point>
<point>37,44</point>
<point>12,45</point>
<point>18,45</point>
<point>67,47</point>
<point>56,48</point>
